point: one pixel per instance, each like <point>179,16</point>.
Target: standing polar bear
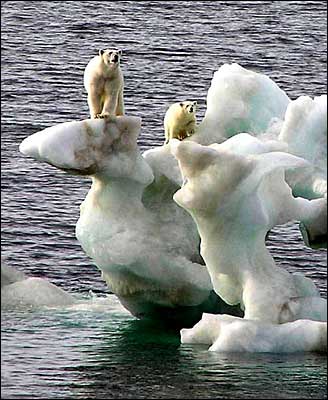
<point>104,83</point>
<point>180,120</point>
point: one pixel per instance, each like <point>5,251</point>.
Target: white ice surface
<point>19,290</point>
<point>235,200</point>
<point>131,233</point>
<point>224,333</point>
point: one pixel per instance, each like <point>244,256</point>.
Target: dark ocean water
<point>171,50</point>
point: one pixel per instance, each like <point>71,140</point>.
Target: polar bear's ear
<point>181,104</point>
<point>195,103</point>
<point>101,52</point>
<point>120,52</point>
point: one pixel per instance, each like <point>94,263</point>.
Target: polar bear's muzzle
<point>191,107</point>
<point>114,58</point>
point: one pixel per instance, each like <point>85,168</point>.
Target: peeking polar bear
<point>103,81</point>
<point>180,120</point>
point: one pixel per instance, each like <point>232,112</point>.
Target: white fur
<point>180,120</point>
<point>104,83</point>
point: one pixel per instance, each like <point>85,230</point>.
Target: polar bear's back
<point>92,71</point>
<point>175,112</point>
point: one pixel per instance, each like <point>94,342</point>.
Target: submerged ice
<point>179,231</point>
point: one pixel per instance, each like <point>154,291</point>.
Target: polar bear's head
<point>189,107</point>
<point>111,57</point>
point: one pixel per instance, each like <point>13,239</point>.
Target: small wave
<point>99,303</point>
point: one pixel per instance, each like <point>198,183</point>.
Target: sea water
<point>170,52</point>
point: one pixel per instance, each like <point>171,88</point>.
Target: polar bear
<point>180,120</point>
<point>104,83</point>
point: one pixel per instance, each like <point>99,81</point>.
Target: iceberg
<point>126,225</point>
<point>179,231</point>
<point>235,200</point>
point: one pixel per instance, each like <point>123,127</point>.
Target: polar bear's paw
<point>102,115</point>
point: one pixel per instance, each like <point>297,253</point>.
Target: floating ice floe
<point>19,290</point>
<point>225,333</point>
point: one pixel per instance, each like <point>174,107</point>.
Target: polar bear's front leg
<point>190,128</point>
<point>110,106</point>
<point>120,104</point>
<point>168,135</point>
<point>94,102</point>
